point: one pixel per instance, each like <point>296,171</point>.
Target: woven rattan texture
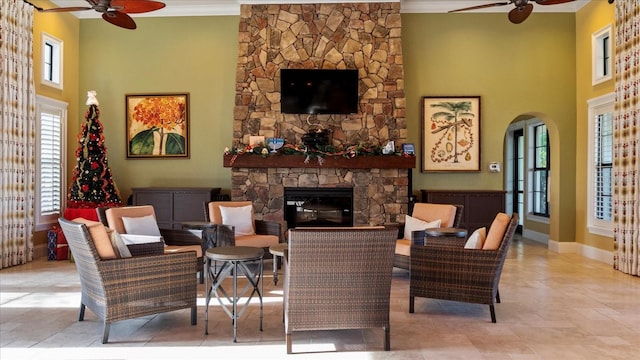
<point>338,279</point>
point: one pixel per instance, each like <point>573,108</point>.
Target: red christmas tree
<point>92,184</point>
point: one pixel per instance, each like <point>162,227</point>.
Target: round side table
<point>277,251</point>
<point>448,232</point>
<point>234,259</point>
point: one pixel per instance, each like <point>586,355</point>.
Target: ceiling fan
<point>522,8</point>
<point>114,11</point>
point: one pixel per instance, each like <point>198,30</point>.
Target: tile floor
<point>554,306</point>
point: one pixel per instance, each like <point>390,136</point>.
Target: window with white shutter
<point>600,165</point>
<point>50,162</point>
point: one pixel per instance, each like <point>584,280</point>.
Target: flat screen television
<point>318,91</point>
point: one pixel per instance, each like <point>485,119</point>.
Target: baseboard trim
<point>587,251</point>
<point>536,236</point>
<point>40,251</point>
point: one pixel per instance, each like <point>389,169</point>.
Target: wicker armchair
<point>338,278</point>
<point>126,288</point>
<point>402,259</point>
<point>267,233</point>
<point>444,269</point>
<point>176,240</point>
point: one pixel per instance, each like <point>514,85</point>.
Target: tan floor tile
<point>554,306</point>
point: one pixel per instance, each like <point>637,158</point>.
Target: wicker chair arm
<point>156,248</point>
<point>180,237</point>
<point>225,236</point>
<point>455,264</point>
<point>128,272</point>
<point>264,227</point>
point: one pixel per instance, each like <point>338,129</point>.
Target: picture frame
<point>157,125</point>
<point>450,133</point>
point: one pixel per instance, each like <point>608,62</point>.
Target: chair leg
<point>288,340</point>
<point>493,313</point>
<point>81,314</point>
<point>105,333</point>
<point>498,296</point>
<point>387,339</point>
<point>194,315</point>
<point>411,303</point>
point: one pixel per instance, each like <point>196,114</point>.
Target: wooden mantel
<point>297,161</point>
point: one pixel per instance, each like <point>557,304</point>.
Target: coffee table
<point>235,260</point>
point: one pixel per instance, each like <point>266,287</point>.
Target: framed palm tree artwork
<point>157,125</point>
<point>450,133</point>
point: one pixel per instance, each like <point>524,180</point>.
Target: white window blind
<point>600,165</point>
<point>50,184</point>
<point>603,166</point>
<point>50,165</point>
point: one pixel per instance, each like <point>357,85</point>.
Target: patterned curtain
<point>17,133</point>
<point>626,142</point>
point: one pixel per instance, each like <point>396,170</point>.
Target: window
<point>50,170</point>
<point>540,171</point>
<point>601,61</point>
<point>600,167</point>
<point>51,61</point>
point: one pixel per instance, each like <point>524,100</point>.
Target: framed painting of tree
<point>450,133</point>
<point>157,125</point>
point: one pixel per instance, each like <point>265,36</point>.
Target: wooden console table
<point>175,205</point>
<point>480,206</point>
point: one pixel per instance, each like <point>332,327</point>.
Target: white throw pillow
<point>412,224</point>
<point>143,225</point>
<point>476,240</point>
<point>239,217</point>
<point>130,239</point>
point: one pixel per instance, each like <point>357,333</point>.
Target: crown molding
<point>232,7</point>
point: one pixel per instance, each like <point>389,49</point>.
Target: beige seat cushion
<point>431,212</point>
<point>100,237</point>
<point>496,232</point>
<point>169,249</point>
<point>261,241</point>
<point>403,247</point>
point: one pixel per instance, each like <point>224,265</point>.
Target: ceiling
<point>232,7</point>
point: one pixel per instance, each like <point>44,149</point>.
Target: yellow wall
<point>196,55</point>
<point>65,27</point>
<point>526,69</point>
<point>590,19</point>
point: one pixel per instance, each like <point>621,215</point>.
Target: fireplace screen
<point>322,207</point>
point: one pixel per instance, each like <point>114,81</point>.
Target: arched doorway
<point>529,161</point>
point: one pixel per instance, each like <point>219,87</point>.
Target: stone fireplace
<point>362,36</point>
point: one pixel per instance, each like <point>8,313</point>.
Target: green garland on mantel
<point>319,152</point>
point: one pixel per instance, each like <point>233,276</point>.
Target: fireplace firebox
<point>322,207</point>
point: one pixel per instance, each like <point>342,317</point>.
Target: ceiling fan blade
<point>119,19</point>
<point>521,14</point>
<point>552,2</point>
<point>65,9</point>
<point>482,6</point>
<point>136,6</point>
